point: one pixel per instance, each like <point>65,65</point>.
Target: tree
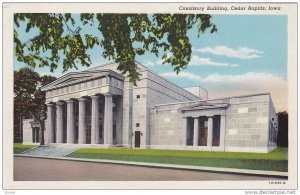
<point>122,37</point>
<point>282,129</point>
<point>29,100</point>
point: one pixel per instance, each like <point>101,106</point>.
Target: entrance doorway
<point>137,139</point>
<point>88,134</point>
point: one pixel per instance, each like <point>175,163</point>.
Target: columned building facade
<point>85,108</point>
<point>204,126</point>
<point>99,107</point>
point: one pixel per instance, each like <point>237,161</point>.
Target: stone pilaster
<point>210,131</point>
<point>50,123</point>
<point>59,122</point>
<point>70,122</point>
<point>81,121</point>
<point>95,138</point>
<point>184,130</point>
<point>222,130</point>
<point>196,131</point>
<point>108,120</point>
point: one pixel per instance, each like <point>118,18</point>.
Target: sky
<point>247,55</point>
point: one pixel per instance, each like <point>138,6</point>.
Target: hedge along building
<point>99,107</point>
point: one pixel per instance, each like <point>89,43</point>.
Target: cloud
<point>255,77</point>
<point>148,63</point>
<point>197,61</point>
<point>248,83</point>
<point>182,74</point>
<point>242,52</point>
<point>227,85</point>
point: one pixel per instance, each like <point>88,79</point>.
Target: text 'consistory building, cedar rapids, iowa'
<point>99,107</point>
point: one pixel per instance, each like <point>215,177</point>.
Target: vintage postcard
<point>150,96</point>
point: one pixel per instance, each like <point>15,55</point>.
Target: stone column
<point>108,120</point>
<point>222,131</point>
<point>81,121</point>
<point>70,122</point>
<point>196,131</point>
<point>95,138</point>
<point>184,130</point>
<point>50,123</point>
<point>59,122</point>
<point>210,131</point>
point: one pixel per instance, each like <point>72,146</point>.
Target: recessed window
<point>138,96</point>
<point>137,124</point>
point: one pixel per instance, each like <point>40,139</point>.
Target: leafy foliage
<point>19,148</point>
<point>123,37</point>
<point>283,133</point>
<point>29,100</point>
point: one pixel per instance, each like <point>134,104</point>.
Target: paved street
<point>37,169</point>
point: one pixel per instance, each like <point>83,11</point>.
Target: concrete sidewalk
<point>170,166</point>
<point>49,150</point>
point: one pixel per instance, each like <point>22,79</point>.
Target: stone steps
<point>49,150</point>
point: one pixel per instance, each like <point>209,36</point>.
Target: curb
<point>170,166</point>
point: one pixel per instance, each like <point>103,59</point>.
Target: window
<point>203,130</point>
<point>137,124</point>
<point>138,96</point>
<point>101,132</point>
<point>114,131</point>
<point>216,130</point>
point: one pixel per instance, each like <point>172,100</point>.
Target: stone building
<point>99,107</point>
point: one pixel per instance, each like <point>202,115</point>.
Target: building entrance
<point>137,139</point>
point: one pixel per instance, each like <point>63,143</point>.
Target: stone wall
<point>273,126</point>
<point>247,124</point>
<point>166,127</point>
<point>150,91</point>
<point>27,131</point>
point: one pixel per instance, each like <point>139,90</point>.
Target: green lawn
<point>273,161</point>
<point>19,148</point>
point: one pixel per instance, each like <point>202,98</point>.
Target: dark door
<point>137,139</point>
<point>88,134</point>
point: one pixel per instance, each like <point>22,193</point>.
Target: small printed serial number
<point>277,182</point>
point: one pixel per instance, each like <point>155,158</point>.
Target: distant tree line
<point>282,129</point>
<point>29,100</point>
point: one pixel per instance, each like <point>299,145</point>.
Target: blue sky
<point>247,55</point>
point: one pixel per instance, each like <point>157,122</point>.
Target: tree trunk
<point>42,129</point>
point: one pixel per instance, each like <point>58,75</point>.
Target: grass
<point>273,161</point>
<point>19,148</point>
